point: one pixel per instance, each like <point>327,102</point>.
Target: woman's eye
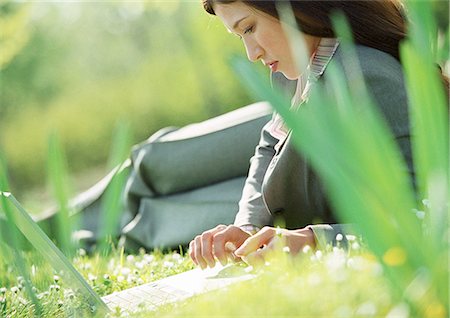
<point>248,30</point>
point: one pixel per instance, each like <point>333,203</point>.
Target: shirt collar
<point>323,55</point>
<point>318,63</point>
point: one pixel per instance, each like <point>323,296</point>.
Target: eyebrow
<point>235,25</point>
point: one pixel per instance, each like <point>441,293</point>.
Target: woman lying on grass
<point>281,184</point>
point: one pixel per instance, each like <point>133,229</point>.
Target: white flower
<point>87,265</point>
<point>177,257</point>
<point>55,287</point>
<point>130,258</point>
<point>120,278</point>
<point>426,202</point>
<point>335,261</point>
<point>339,237</point>
<point>23,301</point>
<point>68,293</point>
<point>306,249</point>
<point>350,238</point>
<point>399,311</point>
<point>125,271</point>
<point>355,246</point>
<point>82,252</point>
<point>366,309</point>
<point>139,265</point>
<point>92,277</point>
<point>279,232</point>
<point>148,258</point>
<point>343,312</point>
<point>131,279</point>
<point>286,249</point>
<point>319,255</point>
<point>168,264</point>
<point>420,215</point>
<point>15,289</point>
<point>3,290</point>
<point>56,278</point>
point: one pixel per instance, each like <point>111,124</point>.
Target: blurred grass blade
<point>12,235</point>
<point>430,143</point>
<point>291,28</point>
<point>422,29</point>
<point>429,117</point>
<point>58,177</point>
<point>112,201</point>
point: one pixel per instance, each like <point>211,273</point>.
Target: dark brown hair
<point>380,24</point>
<point>376,23</point>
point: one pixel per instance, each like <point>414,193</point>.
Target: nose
<point>254,50</point>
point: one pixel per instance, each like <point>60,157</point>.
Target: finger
<point>198,252</point>
<point>192,252</point>
<point>229,250</point>
<point>253,243</point>
<point>206,248</point>
<point>231,234</point>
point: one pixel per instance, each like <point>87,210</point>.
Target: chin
<point>290,76</point>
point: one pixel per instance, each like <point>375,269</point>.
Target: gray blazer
<point>281,184</point>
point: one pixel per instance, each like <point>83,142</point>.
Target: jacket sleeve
<point>252,210</point>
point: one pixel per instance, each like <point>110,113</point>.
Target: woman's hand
<point>253,251</point>
<point>219,242</point>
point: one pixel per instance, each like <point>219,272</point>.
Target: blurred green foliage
<point>81,66</point>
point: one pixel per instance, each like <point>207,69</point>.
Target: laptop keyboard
<point>149,295</point>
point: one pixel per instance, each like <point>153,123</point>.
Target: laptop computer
<point>151,295</point>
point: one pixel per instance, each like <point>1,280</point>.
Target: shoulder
<point>383,77</point>
<point>382,73</point>
<point>372,63</point>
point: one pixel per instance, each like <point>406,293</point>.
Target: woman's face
<point>263,37</point>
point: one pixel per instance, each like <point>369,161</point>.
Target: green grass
<point>105,274</point>
<point>331,283</point>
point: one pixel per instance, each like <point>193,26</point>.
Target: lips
<point>273,66</point>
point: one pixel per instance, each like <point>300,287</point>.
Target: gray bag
<point>180,182</point>
<point>188,180</point>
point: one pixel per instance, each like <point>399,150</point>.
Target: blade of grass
<point>112,203</point>
<point>430,125</point>
<point>12,235</point>
<point>50,252</point>
<point>422,29</point>
<point>58,179</point>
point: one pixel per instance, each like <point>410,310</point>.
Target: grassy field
<point>335,282</point>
